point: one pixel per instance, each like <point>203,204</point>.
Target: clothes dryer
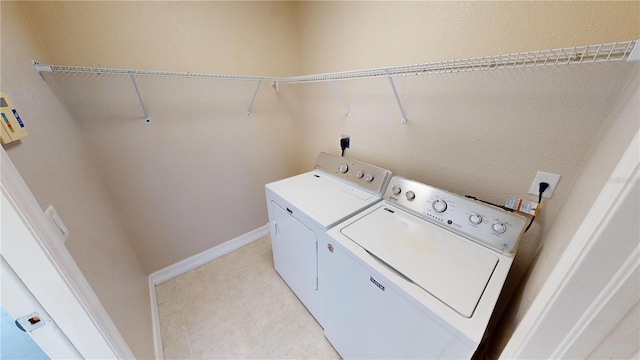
<point>302,208</point>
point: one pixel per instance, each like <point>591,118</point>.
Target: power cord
<point>541,188</point>
<point>489,203</point>
<point>344,143</point>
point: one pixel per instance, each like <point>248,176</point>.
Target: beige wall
<point>58,166</point>
<point>194,177</point>
<point>348,35</point>
<point>227,37</point>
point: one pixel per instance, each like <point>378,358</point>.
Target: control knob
<point>369,177</point>
<point>439,205</point>
<point>343,168</point>
<point>396,190</point>
<point>360,174</point>
<point>475,219</point>
<point>499,227</point>
<point>411,195</point>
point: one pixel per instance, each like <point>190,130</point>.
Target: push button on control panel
<point>343,168</point>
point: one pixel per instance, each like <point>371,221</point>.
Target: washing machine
<point>302,208</point>
<point>417,276</point>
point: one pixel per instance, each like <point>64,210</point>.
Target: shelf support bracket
<point>41,68</point>
<point>255,93</point>
<point>395,92</point>
<point>144,109</point>
<point>340,98</point>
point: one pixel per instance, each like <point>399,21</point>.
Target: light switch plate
<point>549,178</point>
<point>53,215</point>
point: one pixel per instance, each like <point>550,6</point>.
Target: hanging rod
<point>616,51</point>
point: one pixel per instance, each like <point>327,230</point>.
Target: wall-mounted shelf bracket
<point>144,109</point>
<point>340,98</point>
<point>395,92</point>
<point>255,93</point>
<point>276,85</point>
<point>41,68</point>
<point>634,55</point>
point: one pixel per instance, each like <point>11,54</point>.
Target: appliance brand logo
<point>376,283</point>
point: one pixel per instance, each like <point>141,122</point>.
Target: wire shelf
<point>617,51</point>
<point>113,71</point>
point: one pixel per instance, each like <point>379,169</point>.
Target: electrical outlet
<point>344,141</point>
<point>549,178</point>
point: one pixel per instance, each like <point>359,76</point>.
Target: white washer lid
<point>451,268</point>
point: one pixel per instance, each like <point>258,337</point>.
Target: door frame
<point>52,275</point>
<point>18,301</point>
<point>565,287</point>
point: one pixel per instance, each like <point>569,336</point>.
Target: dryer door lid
<point>452,269</point>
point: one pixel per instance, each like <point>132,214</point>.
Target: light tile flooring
<point>237,307</point>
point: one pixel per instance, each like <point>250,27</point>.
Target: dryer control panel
<point>485,224</point>
<point>361,174</point>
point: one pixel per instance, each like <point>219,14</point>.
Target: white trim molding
<point>204,257</point>
<point>90,329</point>
<point>189,264</point>
<point>594,285</point>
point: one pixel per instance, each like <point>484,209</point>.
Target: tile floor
<point>237,307</point>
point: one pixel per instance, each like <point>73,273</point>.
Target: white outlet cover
<point>551,179</point>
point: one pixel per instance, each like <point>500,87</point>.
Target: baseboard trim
<point>189,264</point>
<point>204,257</point>
<point>155,322</point>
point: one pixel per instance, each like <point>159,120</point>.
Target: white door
<point>295,255</point>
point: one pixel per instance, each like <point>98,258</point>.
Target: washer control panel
<point>361,174</point>
<point>482,223</point>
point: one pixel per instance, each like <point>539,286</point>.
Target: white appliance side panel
<point>440,262</point>
<point>366,319</point>
<point>325,200</point>
<point>295,257</point>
